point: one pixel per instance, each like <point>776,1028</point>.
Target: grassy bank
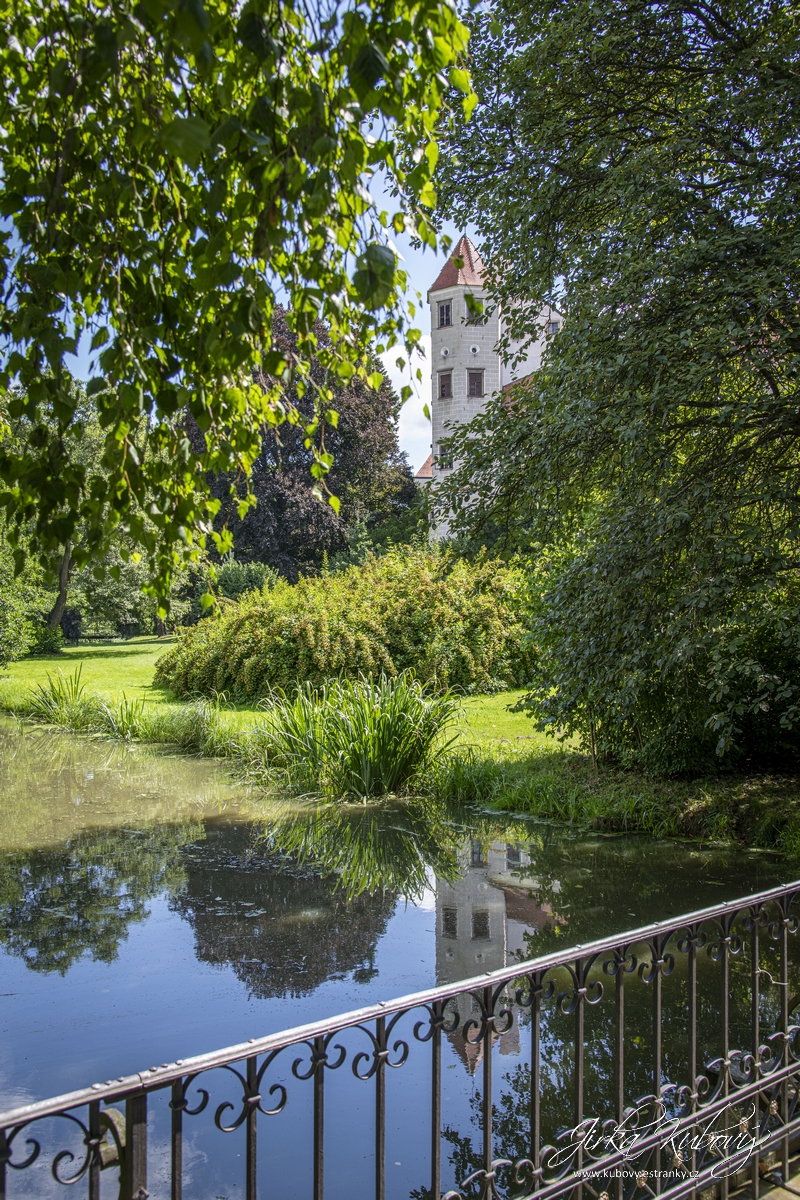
<point>498,762</point>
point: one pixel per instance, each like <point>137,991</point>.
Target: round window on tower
<point>445,352</point>
<point>474,349</point>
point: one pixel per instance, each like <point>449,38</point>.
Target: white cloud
<point>414,427</point>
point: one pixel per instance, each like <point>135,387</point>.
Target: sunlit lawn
<point>114,668</point>
<point>110,668</point>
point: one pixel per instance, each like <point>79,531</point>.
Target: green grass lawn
<point>501,761</point>
<point>114,669</point>
<point>110,668</point>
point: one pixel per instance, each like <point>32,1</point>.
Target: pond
<point>153,909</point>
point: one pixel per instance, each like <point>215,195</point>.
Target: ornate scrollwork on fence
<point>753,1089</point>
<point>380,1054</point>
<point>251,1096</point>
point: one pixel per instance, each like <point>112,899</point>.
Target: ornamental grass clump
<point>124,720</point>
<point>361,739</point>
<point>62,701</point>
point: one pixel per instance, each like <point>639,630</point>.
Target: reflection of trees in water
<point>58,905</point>
<point>283,927</point>
<point>374,847</point>
<point>598,885</point>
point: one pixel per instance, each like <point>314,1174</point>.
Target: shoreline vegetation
<point>495,761</point>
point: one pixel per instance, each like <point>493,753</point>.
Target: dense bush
<point>461,624</point>
<point>23,603</point>
<point>235,578</point>
<point>662,673</point>
<point>47,640</point>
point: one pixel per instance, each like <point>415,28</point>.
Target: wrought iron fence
<point>660,1062</point>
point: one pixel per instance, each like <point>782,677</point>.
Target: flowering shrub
<point>461,624</point>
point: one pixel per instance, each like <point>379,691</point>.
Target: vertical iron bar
<point>176,1192</point>
<point>755,1020</point>
<point>536,1065</point>
<point>319,1118</point>
<point>692,1009</point>
<point>135,1148</point>
<point>726,1014</point>
<point>658,953</point>
<point>579,1064</point>
<point>94,1150</point>
<point>619,1052</point>
<point>436,1098</point>
<point>784,991</point>
<point>487,1079</point>
<point>251,1183</point>
<point>380,1113</point>
<point>4,1159</point>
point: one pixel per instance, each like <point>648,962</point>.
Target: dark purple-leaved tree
<point>289,528</point>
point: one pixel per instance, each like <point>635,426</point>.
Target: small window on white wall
<point>475,383</point>
<point>553,327</point>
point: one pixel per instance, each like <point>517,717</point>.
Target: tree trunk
<point>57,611</point>
<point>593,741</point>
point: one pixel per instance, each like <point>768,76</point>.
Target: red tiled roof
<point>426,470</point>
<point>470,274</point>
<point>508,386</point>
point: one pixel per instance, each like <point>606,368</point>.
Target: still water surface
<point>152,909</point>
<point>145,917</point>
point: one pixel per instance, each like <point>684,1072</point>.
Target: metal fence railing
<point>659,1062</point>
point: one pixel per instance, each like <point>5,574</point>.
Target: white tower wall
<point>456,350</point>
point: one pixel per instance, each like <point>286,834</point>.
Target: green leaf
<point>369,67</point>
<point>253,32</point>
<point>460,79</point>
<point>374,277</point>
<point>186,138</point>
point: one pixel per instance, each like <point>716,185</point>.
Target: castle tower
<point>465,366</point>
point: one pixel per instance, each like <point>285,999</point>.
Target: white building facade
<point>466,366</point>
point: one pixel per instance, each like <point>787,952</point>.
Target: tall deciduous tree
<point>638,166</point>
<point>288,528</point>
<point>165,169</point>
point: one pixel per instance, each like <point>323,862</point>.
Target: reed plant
<point>360,739</point>
<point>62,701</point>
<point>194,728</point>
<point>124,720</point>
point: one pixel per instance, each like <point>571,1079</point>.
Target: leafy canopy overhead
<point>638,166</point>
<point>167,168</point>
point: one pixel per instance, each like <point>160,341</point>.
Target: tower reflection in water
<point>482,917</point>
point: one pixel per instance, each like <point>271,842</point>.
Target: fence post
<point>134,1175</point>
<point>3,1160</point>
